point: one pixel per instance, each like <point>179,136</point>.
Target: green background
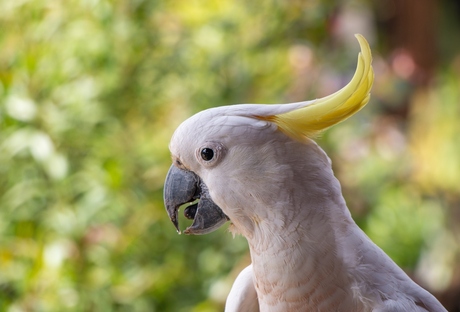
<point>92,90</point>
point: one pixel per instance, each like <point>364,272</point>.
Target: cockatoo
<point>258,167</point>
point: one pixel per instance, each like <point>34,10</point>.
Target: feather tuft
<point>320,114</point>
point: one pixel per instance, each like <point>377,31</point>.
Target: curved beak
<point>183,187</point>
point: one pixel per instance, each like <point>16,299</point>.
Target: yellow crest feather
<point>323,113</point>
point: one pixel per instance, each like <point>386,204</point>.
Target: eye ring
<point>207,154</point>
<point>210,153</point>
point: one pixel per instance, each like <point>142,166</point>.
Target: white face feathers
<point>202,142</point>
<point>258,167</point>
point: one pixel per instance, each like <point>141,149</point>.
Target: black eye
<point>207,154</point>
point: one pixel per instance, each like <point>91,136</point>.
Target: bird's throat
<point>297,261</point>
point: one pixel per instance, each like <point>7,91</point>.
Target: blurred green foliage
<point>92,90</point>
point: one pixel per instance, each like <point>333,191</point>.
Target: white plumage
<point>276,186</point>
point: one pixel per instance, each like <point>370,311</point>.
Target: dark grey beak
<point>183,187</point>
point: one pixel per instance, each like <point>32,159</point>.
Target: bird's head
<point>224,158</point>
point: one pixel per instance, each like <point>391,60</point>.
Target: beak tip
<point>173,219</point>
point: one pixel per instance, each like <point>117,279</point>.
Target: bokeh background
<point>92,90</point>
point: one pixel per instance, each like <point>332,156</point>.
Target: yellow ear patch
<point>323,113</point>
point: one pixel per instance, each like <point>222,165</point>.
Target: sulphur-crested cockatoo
<point>258,167</point>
